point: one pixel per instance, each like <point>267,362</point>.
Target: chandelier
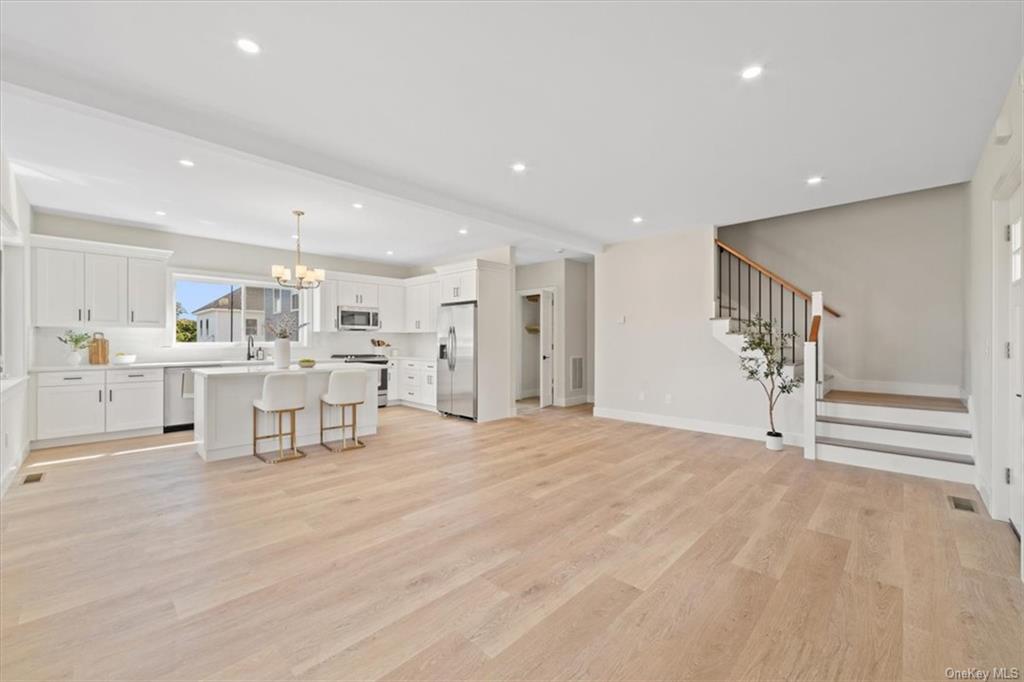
<point>305,277</point>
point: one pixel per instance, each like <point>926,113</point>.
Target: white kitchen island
<point>223,407</point>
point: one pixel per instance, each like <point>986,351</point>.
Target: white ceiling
<point>617,108</point>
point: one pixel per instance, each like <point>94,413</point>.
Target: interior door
<point>464,374</point>
<point>547,348</point>
<point>106,289</point>
<point>1016,317</point>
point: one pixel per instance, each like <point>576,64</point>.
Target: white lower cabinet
<point>135,406</point>
<point>417,382</point>
<point>72,410</point>
<point>92,402</point>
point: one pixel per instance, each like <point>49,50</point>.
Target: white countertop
<point>413,357</point>
<point>85,367</point>
<point>320,367</point>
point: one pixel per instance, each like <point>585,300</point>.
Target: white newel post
<point>813,360</point>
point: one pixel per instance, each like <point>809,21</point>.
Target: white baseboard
<point>94,438</point>
<point>528,393</point>
<point>841,383</point>
<point>719,428</point>
<point>575,400</point>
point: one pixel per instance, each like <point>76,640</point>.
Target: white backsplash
<point>152,345</point>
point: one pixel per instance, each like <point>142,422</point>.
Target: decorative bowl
<point>122,359</point>
<point>306,363</point>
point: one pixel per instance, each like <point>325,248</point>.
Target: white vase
<point>282,353</point>
<point>773,441</point>
<point>74,358</point>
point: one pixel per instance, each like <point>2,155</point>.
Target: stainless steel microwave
<point>358,318</point>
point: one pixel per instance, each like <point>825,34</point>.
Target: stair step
<point>896,450</point>
<point>906,402</point>
<point>916,428</point>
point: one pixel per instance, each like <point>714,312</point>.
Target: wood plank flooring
<point>916,402</point>
<point>550,546</point>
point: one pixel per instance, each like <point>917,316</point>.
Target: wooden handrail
<point>771,275</point>
<point>815,326</point>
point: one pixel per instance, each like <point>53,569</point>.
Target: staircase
<point>917,435</point>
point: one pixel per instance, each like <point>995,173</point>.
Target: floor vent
<point>32,478</point>
<point>962,504</point>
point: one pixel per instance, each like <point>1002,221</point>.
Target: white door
<point>547,348</point>
<point>135,406</point>
<point>69,410</point>
<point>147,292</point>
<point>106,289</point>
<point>59,300</point>
<point>1016,317</point>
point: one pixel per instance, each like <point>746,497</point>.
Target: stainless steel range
<point>373,359</point>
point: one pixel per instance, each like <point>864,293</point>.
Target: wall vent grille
<point>576,383</point>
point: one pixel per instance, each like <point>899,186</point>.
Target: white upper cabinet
<point>392,308</point>
<point>57,290</point>
<point>106,290</point>
<point>421,303</point>
<point>358,294</point>
<point>79,283</point>
<point>147,292</point>
<point>458,286</point>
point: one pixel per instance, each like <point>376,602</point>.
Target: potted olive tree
<point>761,360</point>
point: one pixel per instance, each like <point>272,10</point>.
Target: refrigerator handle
<point>451,348</point>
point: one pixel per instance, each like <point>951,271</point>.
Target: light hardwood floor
<point>551,546</point>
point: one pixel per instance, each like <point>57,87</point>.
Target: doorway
<point>535,376</point>
<point>1014,271</point>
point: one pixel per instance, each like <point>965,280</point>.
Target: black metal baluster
<point>759,293</point>
<point>805,319</point>
<point>792,322</point>
<point>749,299</point>
<point>730,288</point>
<point>720,281</point>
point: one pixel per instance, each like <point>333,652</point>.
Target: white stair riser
<point>896,415</point>
<point>914,466</point>
<point>909,439</point>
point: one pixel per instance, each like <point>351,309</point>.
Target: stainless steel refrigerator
<point>456,360</point>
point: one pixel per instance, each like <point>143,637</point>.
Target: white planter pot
<point>282,353</point>
<point>773,441</point>
<point>74,358</point>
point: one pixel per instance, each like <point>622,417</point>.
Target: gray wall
<point>893,267</point>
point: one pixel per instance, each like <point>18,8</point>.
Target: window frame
<point>244,281</point>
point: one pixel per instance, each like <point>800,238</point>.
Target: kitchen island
<point>223,407</point>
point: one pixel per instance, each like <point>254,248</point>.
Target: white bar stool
<point>345,388</point>
<point>282,392</point>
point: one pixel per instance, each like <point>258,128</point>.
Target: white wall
<point>999,169</point>
<point>893,267</point>
<point>15,413</point>
<point>656,360</point>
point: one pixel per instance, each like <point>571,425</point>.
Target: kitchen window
<point>214,310</point>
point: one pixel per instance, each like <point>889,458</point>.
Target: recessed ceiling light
<point>391,253</point>
<point>518,167</point>
<point>187,163</point>
<point>160,212</point>
<point>463,231</point>
<point>357,206</point>
<point>752,72</point>
<point>814,180</point>
<point>638,219</point>
<point>247,46</point>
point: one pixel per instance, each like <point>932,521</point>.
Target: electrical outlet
<point>668,398</point>
<point>641,396</point>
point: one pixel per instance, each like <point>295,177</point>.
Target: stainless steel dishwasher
<point>178,398</point>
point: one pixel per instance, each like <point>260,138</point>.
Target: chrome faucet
<point>250,351</point>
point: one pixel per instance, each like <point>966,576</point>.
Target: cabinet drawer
<point>410,378</point>
<point>411,394</point>
<point>127,376</point>
<point>69,378</point>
